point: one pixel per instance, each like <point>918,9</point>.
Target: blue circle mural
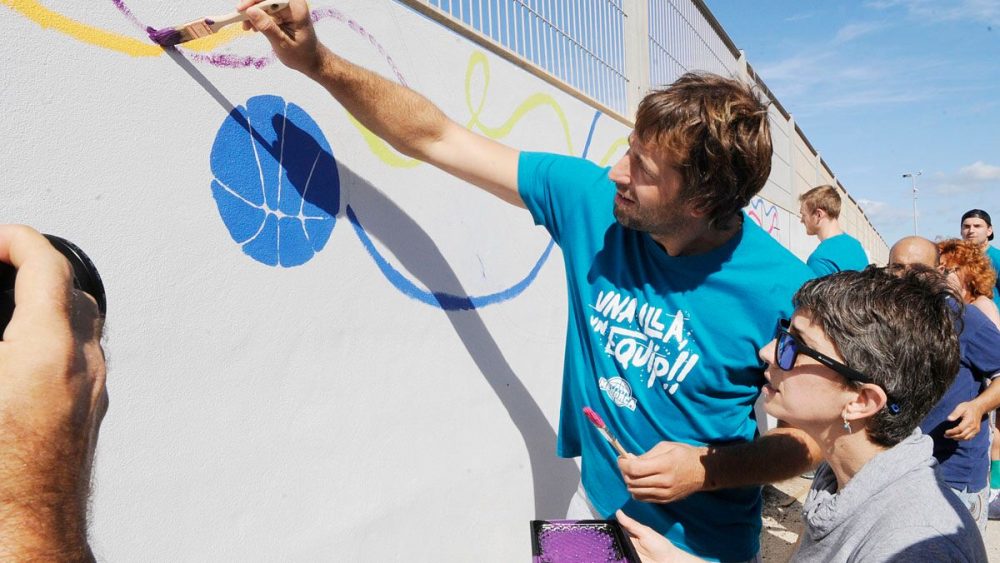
<point>276,182</point>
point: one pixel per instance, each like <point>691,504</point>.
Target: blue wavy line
<point>590,135</point>
<point>448,301</point>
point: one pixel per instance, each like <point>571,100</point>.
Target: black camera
<point>85,278</point>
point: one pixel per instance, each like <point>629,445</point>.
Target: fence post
<point>743,69</point>
<point>636,53</point>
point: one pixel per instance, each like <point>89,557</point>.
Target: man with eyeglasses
<point>958,423</point>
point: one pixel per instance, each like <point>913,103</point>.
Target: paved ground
<point>783,523</point>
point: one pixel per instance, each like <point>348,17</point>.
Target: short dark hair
<point>979,214</point>
<point>897,326</point>
<point>716,131</point>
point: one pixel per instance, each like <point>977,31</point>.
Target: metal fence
<point>681,39</point>
<point>578,42</point>
<point>610,53</point>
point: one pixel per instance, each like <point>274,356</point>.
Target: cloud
<point>885,213</point>
<point>980,171</point>
<point>854,30</point>
<point>872,98</point>
<point>935,11</point>
<point>976,178</point>
<point>799,17</point>
<point>823,79</point>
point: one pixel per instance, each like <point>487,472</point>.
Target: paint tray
<point>580,541</point>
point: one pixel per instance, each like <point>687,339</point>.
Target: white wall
<point>326,410</point>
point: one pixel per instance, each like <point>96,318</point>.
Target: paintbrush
<point>170,36</point>
<point>598,422</point>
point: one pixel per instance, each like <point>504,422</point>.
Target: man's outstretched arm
<point>671,471</point>
<point>406,120</point>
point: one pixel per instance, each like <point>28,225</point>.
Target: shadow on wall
<point>554,479</point>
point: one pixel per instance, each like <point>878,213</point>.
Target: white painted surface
<point>315,412</point>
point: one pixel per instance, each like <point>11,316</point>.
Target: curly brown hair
<point>971,264</point>
<point>717,133</point>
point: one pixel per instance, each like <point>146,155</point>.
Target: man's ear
<point>869,400</point>
<point>695,208</point>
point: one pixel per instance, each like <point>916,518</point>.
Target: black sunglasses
<point>788,347</point>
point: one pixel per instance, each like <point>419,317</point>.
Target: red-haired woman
<point>973,274</point>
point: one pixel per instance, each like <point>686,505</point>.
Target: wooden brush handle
<point>269,6</point>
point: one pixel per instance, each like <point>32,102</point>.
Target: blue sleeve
<point>983,349</point>
<point>994,255</point>
<point>821,266</point>
<point>557,189</point>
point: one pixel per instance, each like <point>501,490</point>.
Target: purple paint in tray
<point>580,541</point>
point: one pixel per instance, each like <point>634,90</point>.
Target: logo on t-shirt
<point>619,390</point>
<point>643,337</point>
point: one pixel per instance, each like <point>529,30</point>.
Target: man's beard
<point>657,221</point>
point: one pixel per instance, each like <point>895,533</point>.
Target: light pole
<point>913,183</point>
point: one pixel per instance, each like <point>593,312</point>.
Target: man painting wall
<point>671,287</point>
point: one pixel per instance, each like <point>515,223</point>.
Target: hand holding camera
<point>52,395</point>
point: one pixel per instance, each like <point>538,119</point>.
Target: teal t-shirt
<point>994,255</point>
<point>662,347</point>
<point>836,254</point>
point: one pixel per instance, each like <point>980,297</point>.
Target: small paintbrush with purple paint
<point>170,36</point>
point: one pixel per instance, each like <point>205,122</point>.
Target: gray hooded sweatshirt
<point>894,509</point>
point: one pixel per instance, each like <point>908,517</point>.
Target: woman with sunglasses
<point>860,363</point>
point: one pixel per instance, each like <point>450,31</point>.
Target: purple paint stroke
<point>319,15</point>
<point>223,60</point>
<point>128,14</point>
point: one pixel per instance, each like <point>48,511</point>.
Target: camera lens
<point>85,278</point>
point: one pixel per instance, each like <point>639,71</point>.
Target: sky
<point>887,87</point>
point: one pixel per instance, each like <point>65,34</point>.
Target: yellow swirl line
<point>48,19</point>
<point>613,151</point>
<point>382,149</point>
<point>533,102</point>
<point>85,33</point>
<point>388,155</point>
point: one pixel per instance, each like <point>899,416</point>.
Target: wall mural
<point>276,182</point>
<point>275,177</point>
<point>765,214</point>
<point>208,51</point>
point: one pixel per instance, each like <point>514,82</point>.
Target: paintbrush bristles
<point>164,37</point>
<point>176,35</point>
